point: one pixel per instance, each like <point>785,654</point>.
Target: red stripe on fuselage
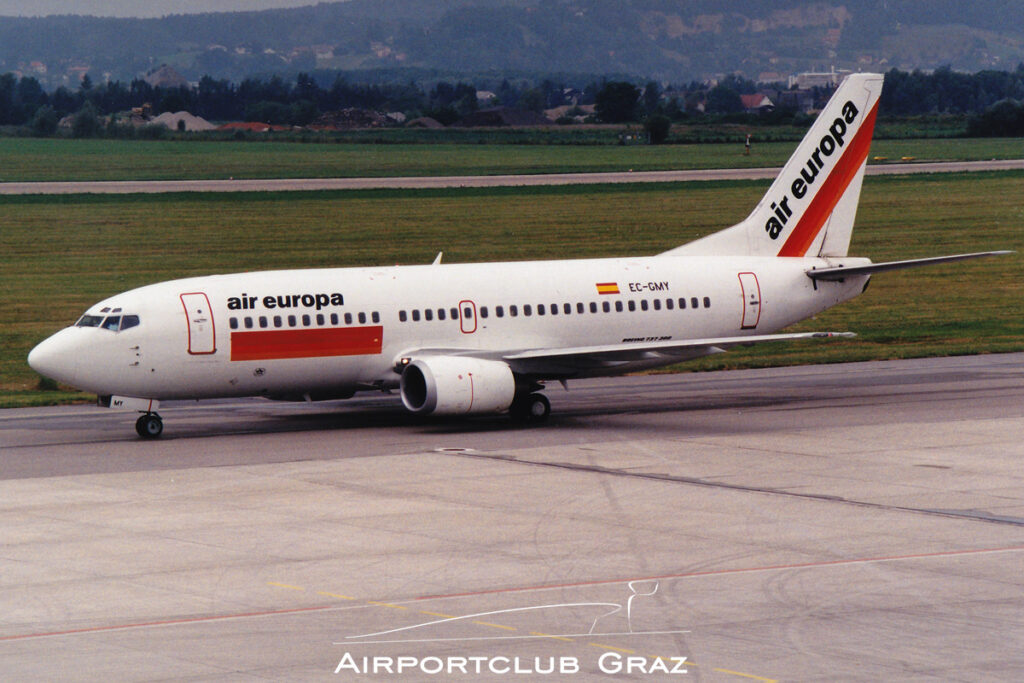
<point>306,343</point>
<point>829,194</point>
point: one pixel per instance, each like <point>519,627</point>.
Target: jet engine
<point>457,385</point>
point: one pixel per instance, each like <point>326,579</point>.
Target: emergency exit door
<point>201,333</point>
<point>751,291</point>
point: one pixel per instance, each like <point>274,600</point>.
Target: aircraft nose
<point>54,358</point>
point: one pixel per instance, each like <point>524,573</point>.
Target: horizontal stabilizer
<point>841,273</point>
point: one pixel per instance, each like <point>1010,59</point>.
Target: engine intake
<point>457,385</point>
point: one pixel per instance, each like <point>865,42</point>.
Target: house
<point>757,103</point>
<point>183,120</point>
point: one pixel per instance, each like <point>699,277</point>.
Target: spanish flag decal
<point>607,288</point>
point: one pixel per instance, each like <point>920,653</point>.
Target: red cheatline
<point>306,343</point>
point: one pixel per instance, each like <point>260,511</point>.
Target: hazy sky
<point>138,8</point>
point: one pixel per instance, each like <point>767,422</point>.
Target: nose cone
<point>56,358</point>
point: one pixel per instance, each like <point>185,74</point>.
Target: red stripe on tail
<point>831,191</point>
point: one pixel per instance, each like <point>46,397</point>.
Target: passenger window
<point>499,311</point>
<point>362,318</point>
<point>657,304</point>
<point>112,322</point>
<point>632,305</point>
<point>348,318</point>
<point>527,309</point>
<point>567,308</point>
<point>643,304</point>
<point>540,309</point>
<point>467,313</point>
<point>277,321</point>
<point>334,318</point>
<point>669,304</point>
<point>291,321</point>
<point>682,303</point>
<point>618,306</point>
<point>248,322</point>
<point>427,314</point>
<point>320,320</point>
<point>513,310</point>
<point>264,322</point>
<point>233,323</point>
<point>306,320</point>
<point>483,311</point>
<point>593,307</point>
<point>402,316</point>
<point>606,306</point>
<point>694,303</point>
<point>707,302</point>
<point>441,314</point>
<point>454,313</point>
<point>415,315</point>
<point>375,317</point>
<point>554,309</point>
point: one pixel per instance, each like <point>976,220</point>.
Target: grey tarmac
<point>856,522</point>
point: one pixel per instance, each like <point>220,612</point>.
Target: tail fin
<point>810,208</point>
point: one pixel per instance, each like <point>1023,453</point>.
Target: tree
<point>616,102</point>
<point>87,123</point>
<point>44,122</point>
<point>657,128</point>
<point>652,97</point>
<point>724,100</point>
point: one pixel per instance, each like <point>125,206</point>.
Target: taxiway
<point>846,522</point>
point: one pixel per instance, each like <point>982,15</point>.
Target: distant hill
<point>661,39</point>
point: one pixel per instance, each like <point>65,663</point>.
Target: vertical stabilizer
<point>810,208</point>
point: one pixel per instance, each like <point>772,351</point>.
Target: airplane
<point>481,338</point>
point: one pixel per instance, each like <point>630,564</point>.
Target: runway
<point>846,522</point>
<point>312,184</point>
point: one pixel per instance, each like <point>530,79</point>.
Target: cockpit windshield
<point>114,323</point>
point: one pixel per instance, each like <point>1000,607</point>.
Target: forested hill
<point>665,39</point>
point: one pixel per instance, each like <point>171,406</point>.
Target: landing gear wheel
<point>532,408</point>
<point>149,426</point>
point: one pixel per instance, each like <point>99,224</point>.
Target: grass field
<point>58,255</point>
<point>30,159</point>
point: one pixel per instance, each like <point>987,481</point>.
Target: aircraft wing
<point>566,361</point>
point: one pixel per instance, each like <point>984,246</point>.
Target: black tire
<point>149,426</point>
<point>532,408</point>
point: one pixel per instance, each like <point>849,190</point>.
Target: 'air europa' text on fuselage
<point>827,146</point>
<point>246,302</point>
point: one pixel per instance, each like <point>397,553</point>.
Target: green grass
<point>29,159</point>
<point>58,255</point>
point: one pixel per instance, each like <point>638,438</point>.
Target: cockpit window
<point>114,323</point>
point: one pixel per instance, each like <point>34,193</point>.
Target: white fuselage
<point>331,332</point>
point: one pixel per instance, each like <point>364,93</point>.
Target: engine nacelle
<point>456,385</point>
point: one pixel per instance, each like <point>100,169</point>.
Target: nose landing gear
<point>149,426</point>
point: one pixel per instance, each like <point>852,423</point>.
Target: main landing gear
<point>149,426</point>
<point>530,408</point>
